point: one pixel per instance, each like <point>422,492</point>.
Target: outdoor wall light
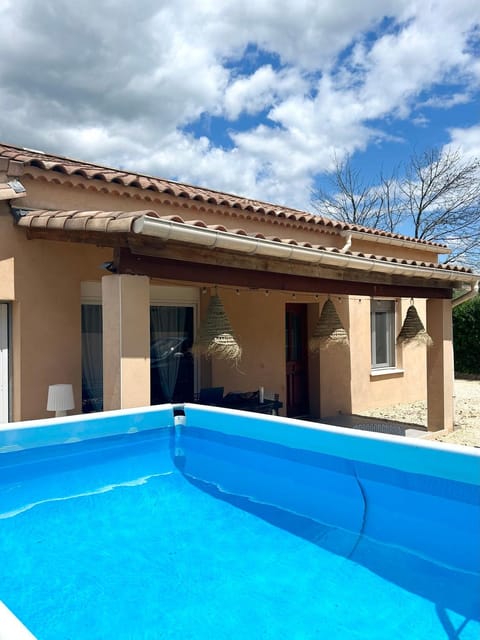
<point>60,399</point>
<point>109,266</point>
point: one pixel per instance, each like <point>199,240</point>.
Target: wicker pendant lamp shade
<point>329,329</point>
<point>215,336</point>
<point>413,330</point>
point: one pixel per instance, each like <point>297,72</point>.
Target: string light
<point>314,296</point>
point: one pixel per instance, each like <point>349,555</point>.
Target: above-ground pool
<point>223,524</point>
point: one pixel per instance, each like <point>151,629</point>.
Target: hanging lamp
<point>412,330</point>
<point>328,330</point>
<point>215,336</point>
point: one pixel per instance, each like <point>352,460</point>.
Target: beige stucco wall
<point>440,388</point>
<point>259,324</point>
<point>126,341</point>
<point>370,391</point>
<point>335,367</point>
<point>46,320</point>
<point>7,279</point>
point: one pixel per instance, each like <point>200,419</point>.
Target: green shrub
<point>466,336</point>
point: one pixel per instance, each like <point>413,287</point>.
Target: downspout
<point>466,296</point>
<point>348,242</point>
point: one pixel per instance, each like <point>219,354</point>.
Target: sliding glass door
<point>172,370</point>
<point>92,358</point>
<point>171,360</point>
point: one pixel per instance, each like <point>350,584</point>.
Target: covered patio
<point>279,273</point>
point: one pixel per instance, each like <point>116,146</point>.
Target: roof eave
<point>398,242</point>
<point>181,232</point>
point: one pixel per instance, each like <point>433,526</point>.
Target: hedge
<point>466,336</point>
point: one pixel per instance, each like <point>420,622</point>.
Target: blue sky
<point>255,98</point>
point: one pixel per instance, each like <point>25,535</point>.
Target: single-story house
<point>106,278</point>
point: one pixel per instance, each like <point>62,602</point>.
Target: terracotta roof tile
<point>105,221</point>
<point>11,167</point>
<point>122,222</point>
<point>28,157</point>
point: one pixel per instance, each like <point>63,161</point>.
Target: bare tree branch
<point>349,200</point>
<point>437,199</point>
<point>441,201</point>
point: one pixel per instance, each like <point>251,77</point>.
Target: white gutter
<point>466,296</point>
<point>398,242</point>
<point>181,232</point>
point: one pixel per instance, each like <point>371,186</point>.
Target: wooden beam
<point>175,261</point>
<point>218,257</point>
<point>198,273</point>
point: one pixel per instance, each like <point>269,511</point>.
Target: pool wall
<point>441,460</point>
<point>453,462</point>
<point>69,429</point>
<point>422,496</point>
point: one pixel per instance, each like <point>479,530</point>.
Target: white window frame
<point>382,307</point>
<point>5,377</point>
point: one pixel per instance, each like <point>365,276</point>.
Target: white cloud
<point>448,101</point>
<point>467,141</point>
<point>251,94</point>
<point>420,120</point>
<point>118,82</point>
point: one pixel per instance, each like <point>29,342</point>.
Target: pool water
<point>117,539</point>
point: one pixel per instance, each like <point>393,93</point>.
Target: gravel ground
<point>467,414</point>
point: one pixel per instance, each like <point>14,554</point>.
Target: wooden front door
<point>296,359</point>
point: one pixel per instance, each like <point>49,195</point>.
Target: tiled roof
<point>70,167</point>
<point>123,222</point>
<point>9,166</point>
<point>61,220</point>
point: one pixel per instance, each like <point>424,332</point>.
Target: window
<point>92,358</point>
<point>383,333</point>
<point>172,322</point>
<point>172,371</point>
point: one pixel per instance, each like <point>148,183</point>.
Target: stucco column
<point>440,365</point>
<point>126,341</point>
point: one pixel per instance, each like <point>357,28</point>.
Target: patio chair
<point>211,396</point>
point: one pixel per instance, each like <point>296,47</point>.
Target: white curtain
<point>92,358</point>
<point>167,335</point>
